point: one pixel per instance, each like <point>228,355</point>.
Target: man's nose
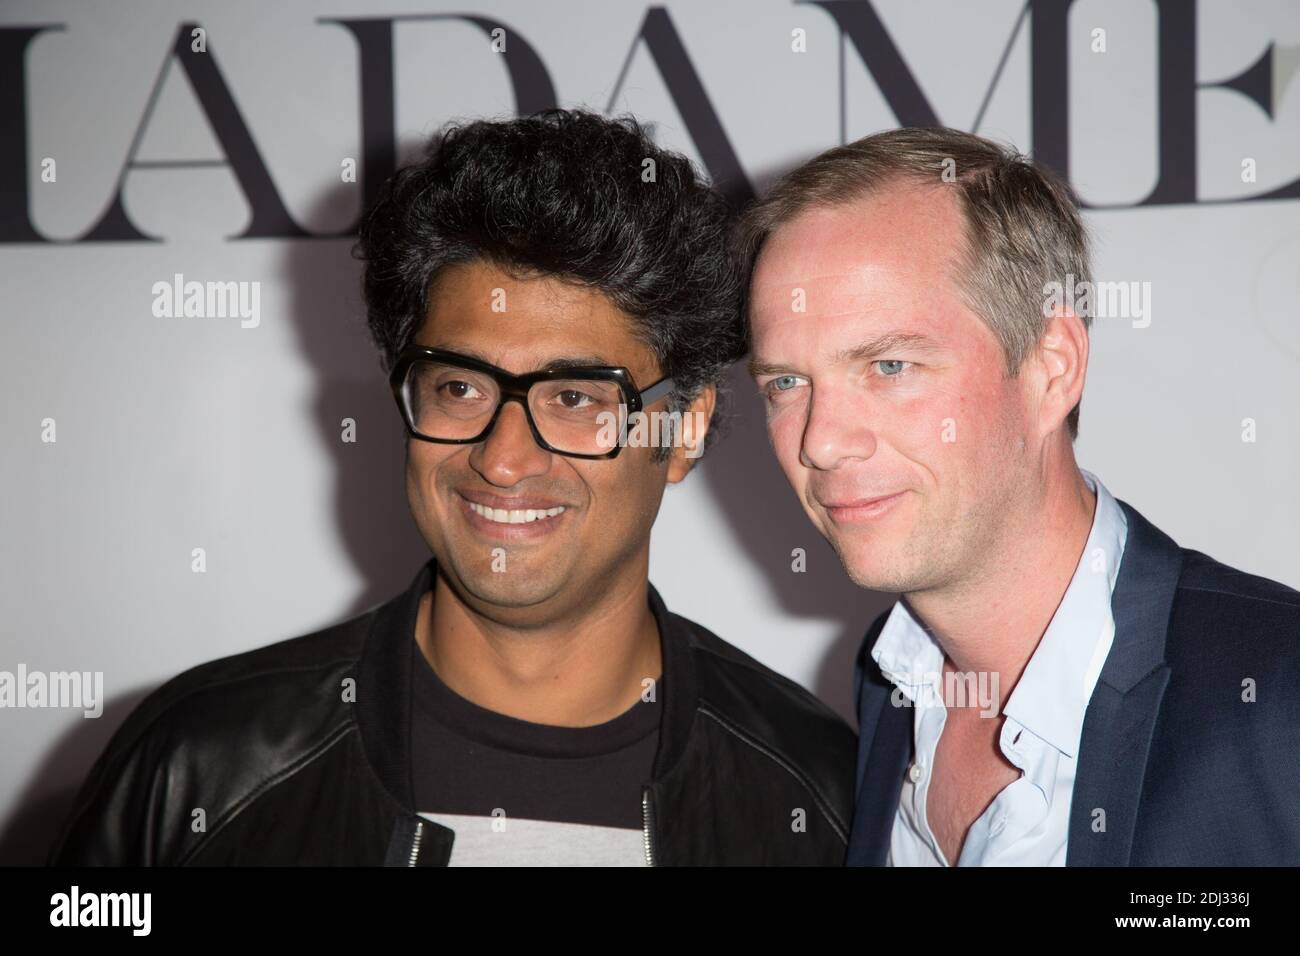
<point>510,453</point>
<point>838,428</point>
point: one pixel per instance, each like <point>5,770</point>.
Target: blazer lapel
<point>884,751</point>
<point>1122,713</point>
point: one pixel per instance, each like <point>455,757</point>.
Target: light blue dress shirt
<point>1027,823</point>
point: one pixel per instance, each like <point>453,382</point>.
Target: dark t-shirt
<point>517,792</point>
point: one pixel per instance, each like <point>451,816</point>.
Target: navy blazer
<point>1186,772</point>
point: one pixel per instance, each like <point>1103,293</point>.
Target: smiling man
<point>529,699</point>
<point>1060,683</point>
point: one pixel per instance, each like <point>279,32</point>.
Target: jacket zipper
<point>415,843</point>
<point>646,817</point>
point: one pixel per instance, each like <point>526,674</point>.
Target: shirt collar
<point>1051,697</point>
<point>906,652</point>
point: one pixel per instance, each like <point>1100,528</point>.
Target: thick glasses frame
<point>514,388</point>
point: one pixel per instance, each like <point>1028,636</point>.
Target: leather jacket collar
<point>383,708</point>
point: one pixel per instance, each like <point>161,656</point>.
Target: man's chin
<point>876,568</point>
<point>510,587</point>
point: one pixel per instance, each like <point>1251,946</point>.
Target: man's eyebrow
<point>578,361</point>
<point>559,361</point>
<point>763,368</point>
<point>889,342</point>
<point>880,345</point>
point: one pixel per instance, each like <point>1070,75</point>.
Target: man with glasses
<point>539,289</point>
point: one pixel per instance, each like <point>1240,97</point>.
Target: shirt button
<point>914,773</point>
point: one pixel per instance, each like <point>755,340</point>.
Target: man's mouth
<point>861,509</point>
<point>515,515</point>
<point>517,518</point>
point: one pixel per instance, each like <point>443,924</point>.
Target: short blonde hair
<point>1023,228</point>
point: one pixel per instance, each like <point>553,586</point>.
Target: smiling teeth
<point>514,517</point>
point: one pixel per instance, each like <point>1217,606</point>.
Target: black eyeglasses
<point>581,411</point>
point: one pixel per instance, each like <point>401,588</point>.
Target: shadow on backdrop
<point>43,805</point>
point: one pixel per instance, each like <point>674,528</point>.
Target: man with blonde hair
<point>1134,701</point>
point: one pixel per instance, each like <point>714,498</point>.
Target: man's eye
<point>891,368</point>
<point>571,398</point>
<point>782,383</point>
<point>458,389</point>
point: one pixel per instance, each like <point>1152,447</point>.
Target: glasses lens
<point>446,401</point>
<point>578,416</point>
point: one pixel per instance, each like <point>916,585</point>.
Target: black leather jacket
<point>297,753</point>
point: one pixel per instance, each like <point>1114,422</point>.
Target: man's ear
<point>1062,359</point>
<point>695,425</point>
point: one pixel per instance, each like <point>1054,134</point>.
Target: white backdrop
<point>177,433</point>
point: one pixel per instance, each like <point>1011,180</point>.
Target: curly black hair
<point>573,194</point>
